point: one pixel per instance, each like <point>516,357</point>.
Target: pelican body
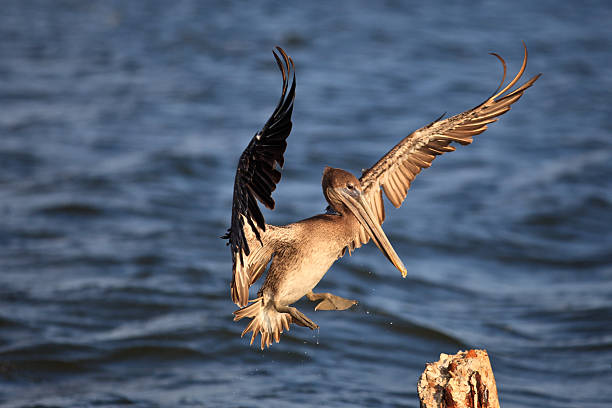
<point>303,252</point>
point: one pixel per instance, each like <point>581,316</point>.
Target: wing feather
<point>256,179</point>
<point>396,170</point>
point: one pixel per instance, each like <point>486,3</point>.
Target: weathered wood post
<point>463,380</point>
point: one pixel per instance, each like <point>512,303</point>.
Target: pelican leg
<point>330,302</point>
<point>298,317</point>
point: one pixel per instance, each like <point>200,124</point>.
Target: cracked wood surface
<point>463,380</point>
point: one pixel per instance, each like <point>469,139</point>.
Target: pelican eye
<point>350,186</point>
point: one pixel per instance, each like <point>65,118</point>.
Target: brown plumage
<point>396,170</point>
<point>302,252</point>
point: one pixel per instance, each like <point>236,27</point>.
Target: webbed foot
<point>298,317</point>
<point>330,302</point>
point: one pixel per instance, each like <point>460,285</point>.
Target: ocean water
<point>120,128</point>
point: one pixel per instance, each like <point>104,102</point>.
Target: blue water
<point>120,127</point>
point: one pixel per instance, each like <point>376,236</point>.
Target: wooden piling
<point>463,380</point>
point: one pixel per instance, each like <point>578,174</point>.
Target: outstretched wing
<point>256,179</point>
<point>397,169</point>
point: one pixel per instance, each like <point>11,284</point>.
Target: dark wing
<point>256,179</point>
<point>397,169</point>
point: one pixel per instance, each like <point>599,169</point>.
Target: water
<point>121,124</point>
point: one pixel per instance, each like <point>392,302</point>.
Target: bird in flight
<point>302,252</point>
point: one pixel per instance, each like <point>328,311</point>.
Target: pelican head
<point>343,192</point>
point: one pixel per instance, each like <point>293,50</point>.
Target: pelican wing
<point>396,170</point>
<point>256,179</point>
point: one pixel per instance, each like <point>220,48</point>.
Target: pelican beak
<point>358,205</point>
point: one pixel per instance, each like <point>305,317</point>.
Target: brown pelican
<point>302,252</point>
